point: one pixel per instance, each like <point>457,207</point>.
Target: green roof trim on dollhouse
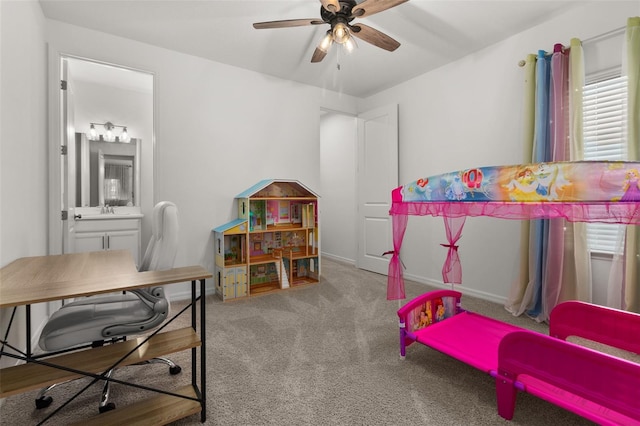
<point>277,188</point>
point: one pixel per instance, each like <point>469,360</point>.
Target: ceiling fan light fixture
<point>339,14</point>
<point>341,33</point>
<point>350,45</point>
<point>326,42</point>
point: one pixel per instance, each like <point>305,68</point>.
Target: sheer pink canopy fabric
<point>604,212</point>
<point>395,280</point>
<point>452,268</point>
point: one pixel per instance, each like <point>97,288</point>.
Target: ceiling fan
<point>339,14</point>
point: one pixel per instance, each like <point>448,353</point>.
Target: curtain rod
<point>599,37</point>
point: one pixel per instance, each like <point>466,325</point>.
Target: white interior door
<point>377,177</point>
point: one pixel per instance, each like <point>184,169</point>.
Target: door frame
<point>55,119</point>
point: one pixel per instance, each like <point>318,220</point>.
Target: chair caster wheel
<point>175,370</point>
<point>108,407</point>
<point>43,402</point>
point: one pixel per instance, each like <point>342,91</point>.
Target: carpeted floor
<point>325,354</point>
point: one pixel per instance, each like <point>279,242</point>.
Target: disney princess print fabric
<point>575,181</point>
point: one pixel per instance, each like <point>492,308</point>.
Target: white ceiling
<point>432,33</point>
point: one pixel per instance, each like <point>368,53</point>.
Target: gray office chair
<point>96,319</point>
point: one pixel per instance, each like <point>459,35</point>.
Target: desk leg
<point>203,352</point>
<point>194,373</point>
<point>27,312</point>
<point>203,347</point>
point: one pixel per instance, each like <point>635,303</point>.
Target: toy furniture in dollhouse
<point>273,245</point>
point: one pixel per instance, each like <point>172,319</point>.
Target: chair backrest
<point>163,245</point>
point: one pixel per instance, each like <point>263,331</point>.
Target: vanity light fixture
<point>108,136</point>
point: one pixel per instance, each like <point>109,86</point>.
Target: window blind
<point>604,124</point>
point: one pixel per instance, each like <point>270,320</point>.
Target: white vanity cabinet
<point>109,234</point>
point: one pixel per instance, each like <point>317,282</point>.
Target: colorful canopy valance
<point>581,191</point>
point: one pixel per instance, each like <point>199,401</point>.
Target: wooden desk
<point>45,278</point>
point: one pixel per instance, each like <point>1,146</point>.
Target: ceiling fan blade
<point>331,5</point>
<point>318,55</point>
<point>375,37</point>
<point>287,23</point>
<point>369,7</point>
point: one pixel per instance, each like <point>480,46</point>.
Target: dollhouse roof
<point>229,225</point>
<point>277,188</point>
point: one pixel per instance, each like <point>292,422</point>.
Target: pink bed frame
<point>592,384</point>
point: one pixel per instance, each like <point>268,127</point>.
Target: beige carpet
<point>325,354</point>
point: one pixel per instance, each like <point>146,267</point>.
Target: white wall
<point>468,114</point>
<point>338,156</point>
<point>23,151</point>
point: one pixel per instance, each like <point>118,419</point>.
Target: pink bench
<point>597,386</point>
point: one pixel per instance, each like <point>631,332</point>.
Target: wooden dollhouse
<point>273,245</point>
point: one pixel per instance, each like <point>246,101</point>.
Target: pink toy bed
<point>593,384</point>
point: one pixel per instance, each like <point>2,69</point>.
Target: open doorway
<point>103,104</point>
<point>338,162</point>
<point>358,171</point>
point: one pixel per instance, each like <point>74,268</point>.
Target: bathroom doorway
<point>92,95</point>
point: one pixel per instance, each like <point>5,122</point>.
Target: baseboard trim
<point>186,294</point>
<point>338,258</point>
<point>459,287</point>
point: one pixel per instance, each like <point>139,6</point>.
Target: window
<point>604,124</point>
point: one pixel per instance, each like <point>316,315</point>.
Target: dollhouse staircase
<point>282,271</point>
